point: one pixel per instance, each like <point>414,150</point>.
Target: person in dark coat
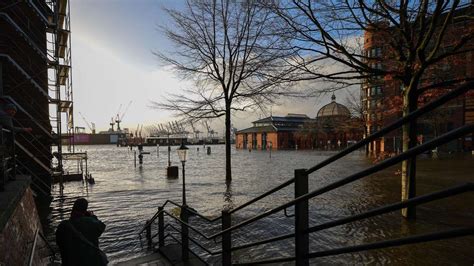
<point>7,113</point>
<point>78,237</point>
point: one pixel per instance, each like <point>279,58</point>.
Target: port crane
<point>91,126</point>
<point>119,116</point>
<point>195,131</point>
<point>112,123</point>
<point>210,132</point>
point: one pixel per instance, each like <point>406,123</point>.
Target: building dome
<point>334,109</point>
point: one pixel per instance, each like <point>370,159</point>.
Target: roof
<point>267,129</point>
<point>258,129</point>
<point>298,118</point>
<point>333,109</point>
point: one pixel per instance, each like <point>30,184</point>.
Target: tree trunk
<point>408,182</point>
<point>228,146</point>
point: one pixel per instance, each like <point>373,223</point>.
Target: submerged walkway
<point>167,255</point>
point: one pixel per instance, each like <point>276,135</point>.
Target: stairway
<point>155,259</point>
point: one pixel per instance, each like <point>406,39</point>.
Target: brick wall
<point>20,220</point>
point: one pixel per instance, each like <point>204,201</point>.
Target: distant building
<point>378,95</point>
<point>333,128</point>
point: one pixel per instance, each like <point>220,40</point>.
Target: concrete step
<point>155,259</point>
<point>167,255</point>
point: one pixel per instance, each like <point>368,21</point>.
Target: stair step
<point>148,260</point>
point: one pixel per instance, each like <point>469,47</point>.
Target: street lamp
<point>183,154</point>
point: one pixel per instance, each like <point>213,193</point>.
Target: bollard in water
<point>208,150</point>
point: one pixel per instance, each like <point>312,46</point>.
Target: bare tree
<point>230,50</point>
<point>354,103</point>
<point>414,36</point>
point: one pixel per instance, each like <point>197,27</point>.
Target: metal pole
<point>161,227</point>
<point>226,239</point>
<point>169,151</point>
<point>184,234</point>
<point>87,171</point>
<point>184,185</point>
<point>301,219</point>
<point>148,234</point>
<point>184,218</point>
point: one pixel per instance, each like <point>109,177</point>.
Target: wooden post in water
<point>226,239</point>
<point>135,158</point>
<point>301,219</point>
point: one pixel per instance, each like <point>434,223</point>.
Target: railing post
<point>226,239</point>
<point>301,219</point>
<point>13,156</point>
<point>161,227</point>
<point>3,153</point>
<point>184,234</point>
<point>148,234</point>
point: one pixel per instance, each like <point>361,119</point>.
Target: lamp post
<point>183,154</point>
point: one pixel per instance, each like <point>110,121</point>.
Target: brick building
<point>333,128</point>
<point>24,82</point>
<point>381,96</point>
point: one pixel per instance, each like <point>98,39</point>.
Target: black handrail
<point>453,233</point>
<point>7,167</point>
<point>419,112</point>
<point>380,166</point>
<point>33,248</point>
<point>301,201</point>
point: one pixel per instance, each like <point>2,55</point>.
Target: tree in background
<point>230,50</point>
<point>413,37</point>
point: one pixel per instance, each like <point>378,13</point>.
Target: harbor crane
<point>210,131</point>
<point>119,116</point>
<point>91,126</point>
<point>195,132</point>
<point>112,123</point>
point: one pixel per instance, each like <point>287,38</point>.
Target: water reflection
<point>125,197</point>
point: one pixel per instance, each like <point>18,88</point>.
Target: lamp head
<point>182,152</point>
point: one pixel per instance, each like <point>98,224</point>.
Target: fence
<point>301,233</point>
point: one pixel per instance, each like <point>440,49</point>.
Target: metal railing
<point>52,252</point>
<point>302,197</point>
<point>7,154</point>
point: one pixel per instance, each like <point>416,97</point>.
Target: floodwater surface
<point>124,197</point>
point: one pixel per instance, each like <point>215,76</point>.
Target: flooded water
<point>124,197</point>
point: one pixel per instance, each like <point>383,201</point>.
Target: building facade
<point>381,96</point>
<point>332,128</point>
<point>24,83</point>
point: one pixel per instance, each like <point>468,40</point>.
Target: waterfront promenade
<point>125,197</point>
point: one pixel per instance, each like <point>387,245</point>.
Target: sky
<point>113,63</point>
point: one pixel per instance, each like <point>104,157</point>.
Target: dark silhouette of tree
<point>413,37</point>
<point>231,52</point>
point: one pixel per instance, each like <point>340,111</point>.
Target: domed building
<point>333,128</point>
<point>334,110</point>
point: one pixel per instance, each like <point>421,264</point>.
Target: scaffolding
<point>60,87</point>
